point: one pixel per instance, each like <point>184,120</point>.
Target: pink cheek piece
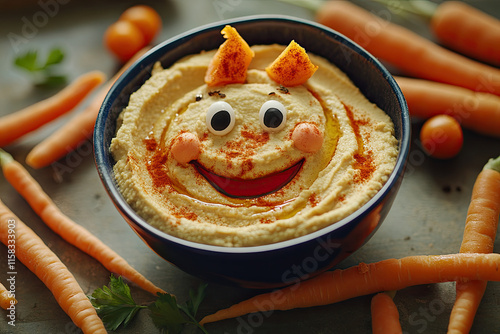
<point>307,137</point>
<point>186,147</point>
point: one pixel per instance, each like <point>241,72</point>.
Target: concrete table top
<point>427,217</point>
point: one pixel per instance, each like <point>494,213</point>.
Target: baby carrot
<point>70,231</point>
<point>468,30</point>
<point>19,123</point>
<point>385,315</point>
<point>6,298</point>
<point>76,130</point>
<point>363,279</point>
<point>479,237</point>
<point>476,111</point>
<point>409,52</point>
<point>38,258</point>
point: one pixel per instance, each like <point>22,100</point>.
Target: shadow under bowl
<point>282,263</point>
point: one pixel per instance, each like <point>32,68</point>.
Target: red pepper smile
<point>241,188</point>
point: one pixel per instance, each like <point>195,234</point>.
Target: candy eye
<point>220,118</point>
<point>272,116</point>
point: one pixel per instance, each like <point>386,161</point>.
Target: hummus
<point>238,179</point>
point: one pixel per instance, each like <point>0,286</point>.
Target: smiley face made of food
<point>245,146</point>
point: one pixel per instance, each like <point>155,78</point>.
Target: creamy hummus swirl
<point>253,185</point>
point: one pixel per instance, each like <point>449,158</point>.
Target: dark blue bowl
<point>282,263</point>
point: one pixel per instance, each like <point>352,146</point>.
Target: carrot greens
<point>116,307</point>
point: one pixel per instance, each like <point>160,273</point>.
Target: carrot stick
<point>411,53</point>
<point>17,124</point>
<point>467,30</point>
<point>6,298</point>
<point>385,315</point>
<point>479,237</point>
<point>35,255</point>
<point>363,279</point>
<point>75,131</point>
<point>476,111</point>
<point>70,231</point>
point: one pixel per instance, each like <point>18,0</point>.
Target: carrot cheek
<point>186,147</point>
<point>307,138</point>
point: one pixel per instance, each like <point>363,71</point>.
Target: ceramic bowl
<point>282,263</point>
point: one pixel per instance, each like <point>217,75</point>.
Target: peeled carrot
<point>363,279</point>
<point>6,298</point>
<point>409,52</point>
<point>35,255</point>
<point>385,315</point>
<point>468,30</point>
<point>476,111</point>
<point>17,124</point>
<point>75,131</point>
<point>70,231</point>
<point>484,210</point>
<point>479,237</point>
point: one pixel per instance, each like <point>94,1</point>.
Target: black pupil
<point>273,118</point>
<point>220,120</point>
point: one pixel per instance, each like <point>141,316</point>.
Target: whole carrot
<point>385,315</point>
<point>458,26</point>
<point>476,111</point>
<point>17,124</point>
<point>38,258</point>
<point>6,298</point>
<point>70,231</point>
<point>479,237</point>
<point>363,279</point>
<point>468,30</point>
<point>411,53</point>
<point>76,130</point>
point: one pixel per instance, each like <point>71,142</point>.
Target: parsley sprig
<point>42,72</point>
<point>116,307</point>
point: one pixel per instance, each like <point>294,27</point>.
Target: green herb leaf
<point>42,72</point>
<point>115,305</point>
<point>166,314</point>
<point>51,81</point>
<point>56,56</point>
<point>27,61</point>
<point>192,305</point>
<point>114,316</point>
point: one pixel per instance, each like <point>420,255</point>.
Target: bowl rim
<point>134,218</point>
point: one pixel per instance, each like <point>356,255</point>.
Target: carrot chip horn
<point>292,67</point>
<point>230,62</point>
